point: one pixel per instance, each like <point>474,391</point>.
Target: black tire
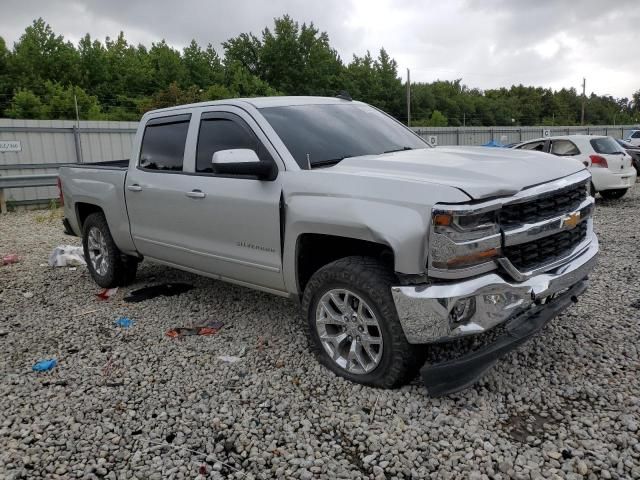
<point>371,280</point>
<point>120,268</point>
<point>613,194</point>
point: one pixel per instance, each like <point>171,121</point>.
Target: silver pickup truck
<point>389,244</point>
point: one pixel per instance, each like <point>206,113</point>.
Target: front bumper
<point>425,311</point>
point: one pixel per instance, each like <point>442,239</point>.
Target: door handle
<point>196,194</point>
<point>135,188</point>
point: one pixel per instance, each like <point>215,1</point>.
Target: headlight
<point>463,239</point>
<point>466,225</point>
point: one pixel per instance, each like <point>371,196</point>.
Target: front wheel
<point>613,194</point>
<point>108,266</point>
<point>352,324</point>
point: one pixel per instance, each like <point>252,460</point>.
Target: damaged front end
<point>517,263</point>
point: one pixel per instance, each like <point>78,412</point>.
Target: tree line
<point>44,76</point>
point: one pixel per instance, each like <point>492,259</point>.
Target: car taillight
<point>598,161</point>
<point>60,194</point>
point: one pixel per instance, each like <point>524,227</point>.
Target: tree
<point>203,67</point>
<point>5,78</point>
<point>39,55</point>
<point>167,66</point>
<point>293,59</point>
<point>59,102</point>
<point>25,104</point>
<point>244,50</point>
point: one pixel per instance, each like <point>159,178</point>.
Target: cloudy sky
<point>487,43</point>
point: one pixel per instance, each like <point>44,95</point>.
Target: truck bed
<point>108,165</point>
<point>98,184</point>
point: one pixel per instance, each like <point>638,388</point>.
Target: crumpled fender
<point>391,212</point>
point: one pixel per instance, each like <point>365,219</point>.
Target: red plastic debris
<point>209,329</point>
<point>107,293</point>
<point>203,469</point>
<point>10,258</point>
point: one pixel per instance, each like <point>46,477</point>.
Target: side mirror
<point>241,161</point>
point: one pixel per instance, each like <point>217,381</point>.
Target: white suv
<point>611,167</point>
<point>634,138</point>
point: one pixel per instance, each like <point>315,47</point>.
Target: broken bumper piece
<point>455,375</point>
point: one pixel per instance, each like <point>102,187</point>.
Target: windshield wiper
<point>331,161</point>
<point>399,149</point>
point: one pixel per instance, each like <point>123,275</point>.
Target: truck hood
<point>480,172</point>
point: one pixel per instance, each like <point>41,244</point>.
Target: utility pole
<point>408,99</point>
<point>584,84</point>
<point>464,119</point>
<point>75,100</point>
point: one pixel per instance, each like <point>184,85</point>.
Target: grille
<point>530,255</point>
<point>546,206</point>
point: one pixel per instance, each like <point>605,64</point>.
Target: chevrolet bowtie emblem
<point>571,220</point>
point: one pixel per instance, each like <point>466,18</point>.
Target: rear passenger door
<point>155,186</point>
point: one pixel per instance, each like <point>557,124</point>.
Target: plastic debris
<point>229,358</point>
<point>27,294</point>
<point>107,293</point>
<point>153,291</point>
<point>44,365</point>
<point>208,329</point>
<point>10,258</point>
<point>124,322</point>
<point>66,256</point>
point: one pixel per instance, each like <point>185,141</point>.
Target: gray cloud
<point>489,43</point>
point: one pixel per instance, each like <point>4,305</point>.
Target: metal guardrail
<point>16,181</point>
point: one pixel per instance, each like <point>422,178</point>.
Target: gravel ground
<point>137,404</point>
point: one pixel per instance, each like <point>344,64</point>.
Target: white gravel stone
<point>137,404</point>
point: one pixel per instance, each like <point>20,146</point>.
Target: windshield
<point>606,145</point>
<point>325,134</point>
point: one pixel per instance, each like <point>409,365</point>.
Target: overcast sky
<point>487,43</point>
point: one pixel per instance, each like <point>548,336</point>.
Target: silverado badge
<point>571,220</point>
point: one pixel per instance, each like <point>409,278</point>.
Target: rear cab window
<point>163,143</point>
<point>606,146</point>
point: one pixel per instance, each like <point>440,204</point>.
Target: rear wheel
<point>613,194</point>
<point>108,266</point>
<point>352,324</point>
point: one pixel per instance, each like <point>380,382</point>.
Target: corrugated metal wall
<point>46,143</point>
<point>50,142</point>
<point>507,135</point>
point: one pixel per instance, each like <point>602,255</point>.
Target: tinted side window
<point>222,134</point>
<point>636,134</point>
<point>163,145</point>
<point>539,146</point>
<point>564,148</point>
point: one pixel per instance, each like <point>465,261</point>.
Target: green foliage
<point>25,104</point>
<point>114,80</point>
<point>437,119</point>
<point>57,102</point>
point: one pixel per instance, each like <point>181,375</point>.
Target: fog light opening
<point>462,311</point>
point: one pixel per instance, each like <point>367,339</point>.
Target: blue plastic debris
<point>44,365</point>
<point>124,322</point>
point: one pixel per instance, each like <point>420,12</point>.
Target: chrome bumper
<point>425,311</point>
